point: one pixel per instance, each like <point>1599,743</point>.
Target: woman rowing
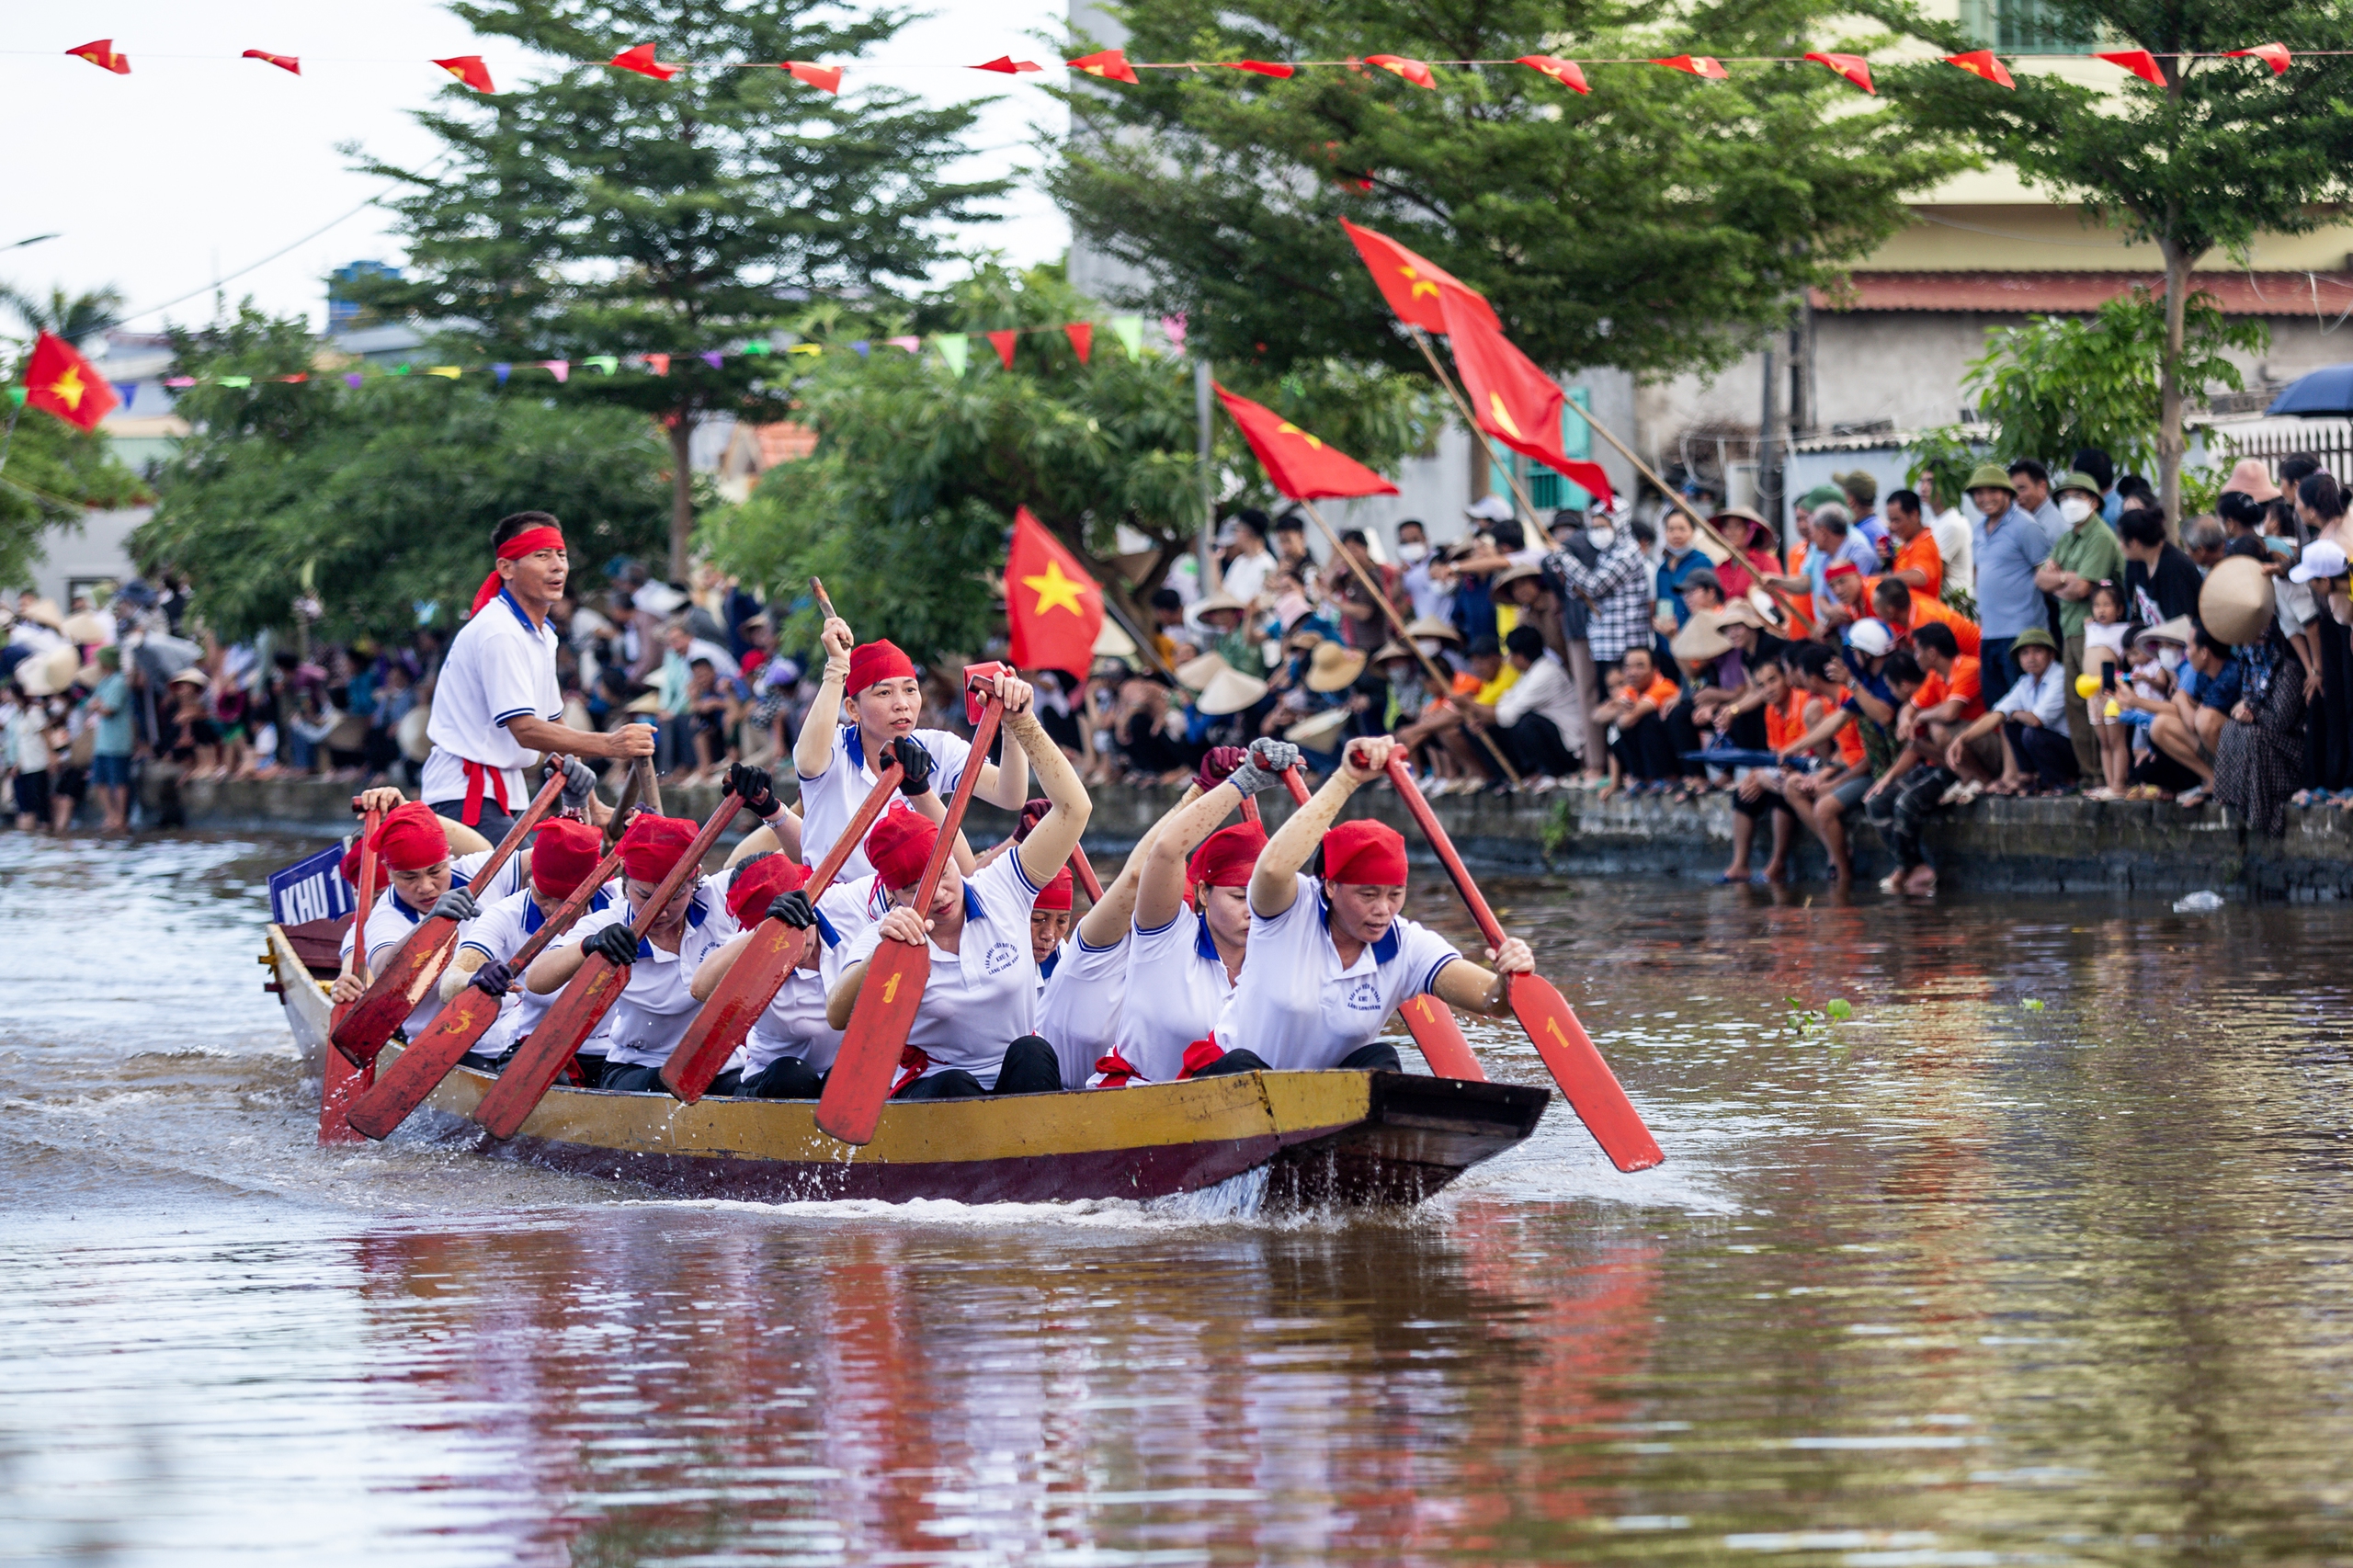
<point>789,1048</point>
<point>564,854</point>
<point>1330,957</point>
<point>972,1034</point>
<point>877,685</point>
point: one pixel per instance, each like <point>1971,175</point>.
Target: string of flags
<point>1113,65</point>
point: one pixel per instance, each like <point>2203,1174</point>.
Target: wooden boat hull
<point>1340,1138</point>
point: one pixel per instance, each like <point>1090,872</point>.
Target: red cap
<point>901,846</point>
<point>563,854</point>
<point>654,845</point>
<point>758,883</point>
<point>1365,853</point>
<point>1227,856</point>
<point>1055,894</point>
<point>408,839</point>
<point>870,662</point>
<point>1841,569</point>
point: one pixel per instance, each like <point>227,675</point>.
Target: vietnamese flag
<point>1511,399</point>
<point>1565,71</point>
<point>1982,63</point>
<point>1052,606</point>
<point>1109,64</point>
<point>100,53</point>
<point>2140,62</point>
<point>2272,54</point>
<point>1302,466</point>
<point>827,79</point>
<point>641,60</point>
<point>1410,285</point>
<point>60,382</point>
<point>1854,67</point>
<point>283,61</point>
<point>468,69</point>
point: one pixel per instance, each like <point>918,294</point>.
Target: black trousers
<point>1535,746</point>
<point>1904,811</point>
<point>628,1078</point>
<point>785,1078</point>
<point>1645,751</point>
<point>494,824</point>
<point>1029,1068</point>
<point>1380,1056</point>
<point>1767,802</point>
<point>2051,756</point>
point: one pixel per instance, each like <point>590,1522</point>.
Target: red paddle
<point>340,1079</point>
<point>1085,873</point>
<point>593,989</point>
<point>432,1055</point>
<point>766,963</point>
<point>1431,1022</point>
<point>1592,1089</point>
<point>895,978</point>
<point>417,962</point>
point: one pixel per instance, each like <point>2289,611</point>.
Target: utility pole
<point>1202,402</point>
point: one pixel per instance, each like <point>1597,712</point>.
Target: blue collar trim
<point>533,919</point>
<point>1203,943</point>
<point>832,938</point>
<point>971,902</point>
<point>855,748</point>
<point>1382,951</point>
<point>516,605</point>
<point>1047,969</point>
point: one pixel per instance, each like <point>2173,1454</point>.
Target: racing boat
<point>1343,1139</point>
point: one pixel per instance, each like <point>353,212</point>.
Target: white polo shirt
<point>499,932</point>
<point>391,921</point>
<point>794,1023</point>
<point>499,667</point>
<point>830,798</point>
<point>650,1017</point>
<point>1179,990</point>
<point>983,996</point>
<point>1295,1008</point>
<point>1079,1005</point>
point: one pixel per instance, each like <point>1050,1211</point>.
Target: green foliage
<point>379,499</point>
<point>918,472</point>
<point>2056,384</point>
<point>54,474</point>
<point>1657,224</point>
<point>71,316</point>
<point>1944,456</point>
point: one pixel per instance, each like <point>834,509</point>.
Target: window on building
<point>2023,26</point>
<point>1548,490</point>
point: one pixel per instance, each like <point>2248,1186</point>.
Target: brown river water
<point>2044,1256</point>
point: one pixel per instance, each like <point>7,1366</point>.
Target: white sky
<point>192,169</point>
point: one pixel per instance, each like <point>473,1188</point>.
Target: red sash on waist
<point>1199,1054</point>
<point>1116,1069</point>
<point>912,1062</point>
<point>477,775</point>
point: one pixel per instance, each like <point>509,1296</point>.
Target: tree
<point>905,505</point>
<point>377,500</point>
<point>2219,153</point>
<point>602,212</point>
<point>71,316</point>
<point>50,475</point>
<point>1659,224</point>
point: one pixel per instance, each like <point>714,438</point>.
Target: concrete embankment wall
<point>2042,846</point>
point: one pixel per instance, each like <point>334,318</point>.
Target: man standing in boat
<point>497,705</point>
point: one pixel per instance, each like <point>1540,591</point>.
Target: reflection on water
<point>1962,1279</point>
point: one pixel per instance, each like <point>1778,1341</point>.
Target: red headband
<point>1227,856</point>
<point>530,542</point>
<point>563,854</point>
<point>654,845</point>
<point>870,662</point>
<point>1365,853</point>
<point>1055,894</point>
<point>755,886</point>
<point>408,839</point>
<point>1841,569</point>
<point>901,846</point>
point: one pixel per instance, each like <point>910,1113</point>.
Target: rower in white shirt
<point>789,1047</point>
<point>496,703</point>
<point>564,854</point>
<point>874,685</point>
<point>1330,957</point>
<point>421,879</point>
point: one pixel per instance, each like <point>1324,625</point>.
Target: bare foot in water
<point>1922,881</point>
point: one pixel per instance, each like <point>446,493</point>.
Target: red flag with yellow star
<point>59,379</point>
<point>1302,466</point>
<point>1051,605</point>
<point>1512,400</point>
<point>1410,284</point>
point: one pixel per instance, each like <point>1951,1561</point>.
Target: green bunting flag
<point>955,348</point>
<point>17,397</point>
<point>1129,330</point>
<point>236,381</point>
<point>604,362</point>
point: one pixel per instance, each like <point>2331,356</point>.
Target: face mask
<point>1413,551</point>
<point>1601,538</point>
<point>1429,645</point>
<point>2169,656</point>
<point>2075,508</point>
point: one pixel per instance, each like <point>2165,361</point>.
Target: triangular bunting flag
<point>828,77</point>
<point>1109,64</point>
<point>605,363</point>
<point>712,358</point>
<point>60,381</point>
<point>1698,64</point>
<point>1008,65</point>
<point>1260,67</point>
<point>500,372</point>
<point>451,372</point>
<point>468,69</point>
<point>1981,62</point>
<point>560,368</point>
<point>1082,337</point>
<point>909,344</point>
<point>100,53</point>
<point>1302,466</point>
<point>240,383</point>
<point>1565,71</point>
<point>1412,71</point>
<point>806,350</point>
<point>1054,608</point>
<point>955,351</point>
<point>1173,328</point>
<point>1003,343</point>
<point>658,363</point>
<point>862,348</point>
<point>301,378</point>
<point>1854,67</point>
<point>283,61</point>
<point>353,379</point>
<point>641,60</point>
<point>125,391</point>
<point>759,347</point>
<point>2140,62</point>
<point>2272,54</point>
<point>1129,330</point>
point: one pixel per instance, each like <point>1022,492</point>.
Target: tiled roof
<point>2023,293</point>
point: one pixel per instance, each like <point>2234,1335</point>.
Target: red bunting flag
<point>1054,608</point>
<point>1412,71</point>
<point>1854,67</point>
<point>1565,71</point>
<point>641,60</point>
<point>1110,64</point>
<point>100,53</point>
<point>1260,67</point>
<point>1698,64</point>
<point>1510,398</point>
<point>1302,466</point>
<point>1981,62</point>
<point>2272,54</point>
<point>1410,285</point>
<point>468,69</point>
<point>658,363</point>
<point>1003,343</point>
<point>2140,62</point>
<point>1082,337</point>
<point>1008,65</point>
<point>283,61</point>
<point>60,381</point>
<point>828,77</point>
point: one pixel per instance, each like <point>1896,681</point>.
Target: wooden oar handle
<point>1400,778</point>
<point>1297,785</point>
<point>1082,871</point>
<point>566,913</point>
<point>824,605</point>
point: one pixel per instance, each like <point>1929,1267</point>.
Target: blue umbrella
<point>2328,392</point>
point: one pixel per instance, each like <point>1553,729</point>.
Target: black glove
<point>579,783</point>
<point>916,763</point>
<point>1217,767</point>
<point>794,909</point>
<point>493,979</point>
<point>457,904</point>
<point>616,943</point>
<point>753,788</point>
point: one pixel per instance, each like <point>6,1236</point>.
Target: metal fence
<point>2227,440</point>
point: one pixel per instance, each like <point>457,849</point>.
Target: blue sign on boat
<point>310,889</point>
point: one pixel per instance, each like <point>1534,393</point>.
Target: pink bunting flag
<point>283,61</point>
<point>560,368</point>
<point>2140,62</point>
<point>176,382</point>
<point>1110,65</point>
<point>641,60</point>
<point>828,77</point>
<point>1565,71</point>
<point>2272,54</point>
<point>1007,65</point>
<point>1696,64</point>
<point>1854,67</point>
<point>1398,66</point>
<point>1261,68</point>
<point>1173,328</point>
<point>912,344</point>
<point>1082,337</point>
